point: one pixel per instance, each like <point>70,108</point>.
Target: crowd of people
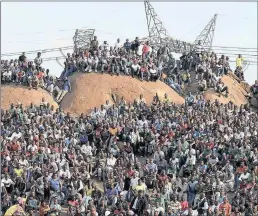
<point>130,159</point>
<point>126,158</point>
<point>21,71</point>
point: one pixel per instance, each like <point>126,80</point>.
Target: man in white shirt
<point>17,134</point>
<point>86,149</point>
<point>95,63</point>
<point>65,173</point>
<point>135,68</point>
<point>244,176</point>
<point>111,161</point>
<point>8,183</point>
<point>7,76</point>
<point>95,113</point>
<point>38,60</point>
<point>102,112</point>
<point>105,46</point>
<point>134,180</point>
<point>143,122</point>
<point>118,44</point>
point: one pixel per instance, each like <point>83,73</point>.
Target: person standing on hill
<point>22,58</point>
<point>94,44</point>
<point>38,61</point>
<point>239,61</point>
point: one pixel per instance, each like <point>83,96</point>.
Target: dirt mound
<point>236,92</point>
<point>244,84</point>
<point>92,90</point>
<point>20,94</point>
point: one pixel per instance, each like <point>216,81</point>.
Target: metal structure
<point>155,27</point>
<point>174,45</point>
<point>82,39</point>
<point>205,39</point>
<point>159,37</point>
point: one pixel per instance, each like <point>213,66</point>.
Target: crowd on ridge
<point>130,159</point>
<point>136,58</point>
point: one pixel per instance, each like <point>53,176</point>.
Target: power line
<point>71,47</point>
<point>41,50</point>
<point>245,48</point>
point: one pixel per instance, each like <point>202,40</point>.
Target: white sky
<point>33,26</point>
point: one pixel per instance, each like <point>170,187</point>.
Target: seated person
<point>202,85</point>
<point>33,82</point>
<point>189,100</point>
<point>7,76</point>
<point>153,74</point>
<point>220,88</point>
<point>239,73</point>
<point>186,78</point>
<point>135,68</point>
<point>174,85</point>
<point>144,72</point>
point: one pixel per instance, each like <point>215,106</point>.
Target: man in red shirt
<point>145,50</point>
<point>226,207</point>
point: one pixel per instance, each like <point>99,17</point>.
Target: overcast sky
<point>33,26</point>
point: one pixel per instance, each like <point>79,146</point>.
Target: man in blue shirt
<point>63,92</point>
<point>189,99</point>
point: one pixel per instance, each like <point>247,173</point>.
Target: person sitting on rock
<point>153,74</point>
<point>33,81</point>
<point>186,77</point>
<point>94,44</point>
<point>189,100</point>
<point>202,85</point>
<point>144,72</point>
<point>174,85</point>
<point>7,76</point>
<point>220,88</point>
<point>239,73</point>
<point>115,67</point>
<point>135,68</point>
<point>20,77</point>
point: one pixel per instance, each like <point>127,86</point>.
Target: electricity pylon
<point>205,38</point>
<point>159,37</point>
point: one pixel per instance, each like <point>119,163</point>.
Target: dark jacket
<point>143,205</point>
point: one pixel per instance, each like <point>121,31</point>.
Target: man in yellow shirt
<point>166,99</point>
<point>140,186</point>
<point>239,61</point>
<point>18,171</point>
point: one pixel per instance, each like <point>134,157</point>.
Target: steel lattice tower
<point>158,35</point>
<point>155,26</point>
<point>205,39</point>
<point>82,39</point>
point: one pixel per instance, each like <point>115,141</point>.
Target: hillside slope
<point>20,94</point>
<point>236,92</point>
<point>92,90</point>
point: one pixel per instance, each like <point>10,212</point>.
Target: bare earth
<point>20,94</point>
<point>236,93</point>
<point>92,90</point>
